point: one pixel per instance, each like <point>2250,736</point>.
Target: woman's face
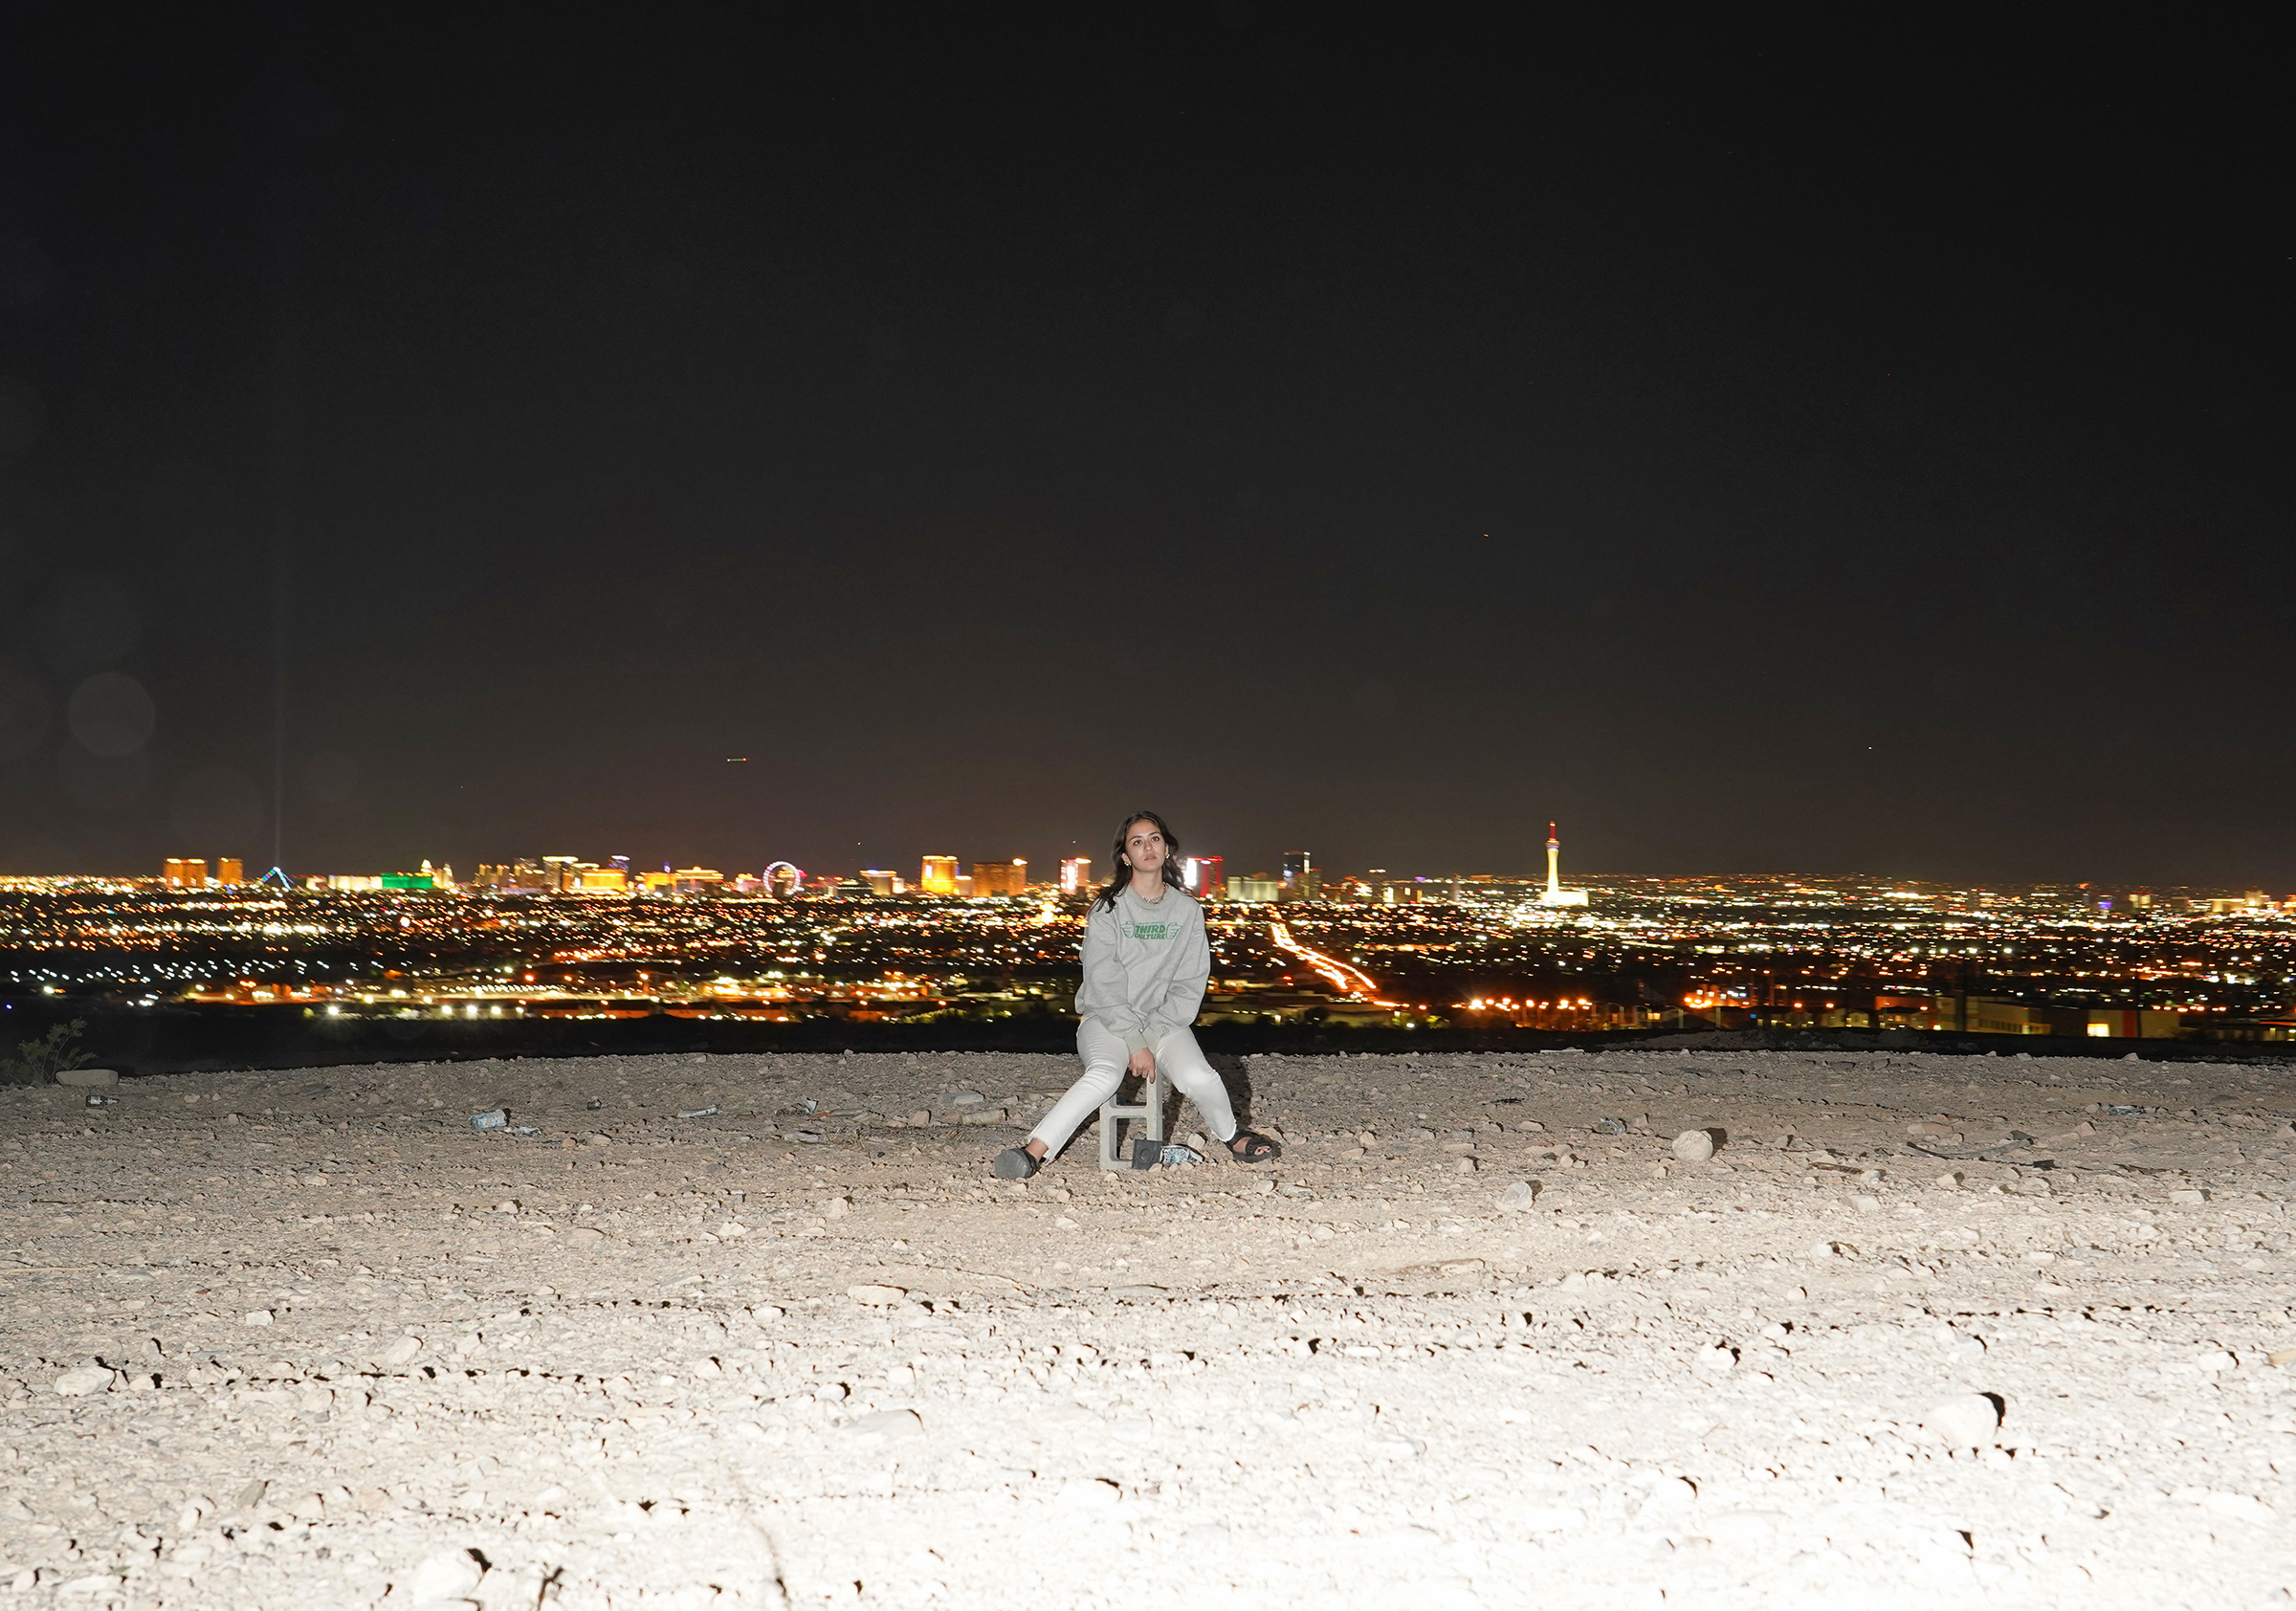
<point>1144,846</point>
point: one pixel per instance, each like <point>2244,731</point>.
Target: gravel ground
<point>1924,1330</point>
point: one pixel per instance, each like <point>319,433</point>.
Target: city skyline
<point>940,873</point>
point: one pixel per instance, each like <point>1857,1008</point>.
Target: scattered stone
<point>85,1380</point>
<point>1088,1494</point>
<point>2280,1358</point>
<point>256,1318</point>
<point>1545,1519</point>
<point>401,1351</point>
<point>920,1117</point>
<point>1668,1495</point>
<point>966,1099</point>
<point>837,1208</point>
<point>878,1296</point>
<point>2189,1195</point>
<point>2240,1506</point>
<point>1966,1421</point>
<point>1464,1166</point>
<point>1868,1204</point>
<point>1716,1360</point>
<point>585,1236</point>
<point>887,1423</point>
<point>1694,1147</point>
<point>448,1575</point>
<point>1949,1180</point>
<point>88,1076</point>
<point>1522,1194</point>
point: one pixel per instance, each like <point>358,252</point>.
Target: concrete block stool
<point>1148,1130</point>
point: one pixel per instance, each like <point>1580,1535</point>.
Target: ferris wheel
<point>784,879</point>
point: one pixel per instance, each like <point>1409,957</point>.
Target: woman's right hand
<point>1143,1064</point>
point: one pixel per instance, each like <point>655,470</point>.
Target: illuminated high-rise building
<point>186,873</point>
<point>938,876</point>
<point>230,871</point>
<point>1299,875</point>
<point>882,881</point>
<point>1001,878</point>
<point>1556,894</point>
<point>1205,878</point>
<point>1077,876</point>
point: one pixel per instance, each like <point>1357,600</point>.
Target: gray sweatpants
<point>1105,1059</point>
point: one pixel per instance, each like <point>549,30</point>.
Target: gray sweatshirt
<point>1145,966</point>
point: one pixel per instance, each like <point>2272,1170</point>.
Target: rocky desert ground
<point>733,1331</point>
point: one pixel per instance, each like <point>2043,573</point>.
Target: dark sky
<point>1813,451</point>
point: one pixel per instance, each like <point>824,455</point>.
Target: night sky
<point>1807,451</point>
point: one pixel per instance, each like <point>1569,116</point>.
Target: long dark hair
<point>1108,898</point>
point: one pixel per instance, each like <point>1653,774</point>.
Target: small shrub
<point>38,1061</point>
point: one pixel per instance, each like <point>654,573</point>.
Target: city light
<point>561,937</point>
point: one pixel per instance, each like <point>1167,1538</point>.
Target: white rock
<point>1949,1180</point>
<point>256,1318</point>
<point>1557,1518</point>
<point>887,1423</point>
<point>448,1575</point>
<point>2244,1507</point>
<point>86,1380</point>
<point>1870,1204</point>
<point>1669,1495</point>
<point>1966,1421</point>
<point>920,1117</point>
<point>837,1208</point>
<point>1088,1493</point>
<point>1522,1194</point>
<point>586,1236</point>
<point>876,1296</point>
<point>1466,1167</point>
<point>1694,1147</point>
<point>401,1351</point>
<point>1716,1360</point>
<point>1743,1526</point>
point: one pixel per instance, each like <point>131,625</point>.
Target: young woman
<point>1145,966</point>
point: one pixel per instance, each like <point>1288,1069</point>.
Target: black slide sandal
<point>1249,1146</point>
